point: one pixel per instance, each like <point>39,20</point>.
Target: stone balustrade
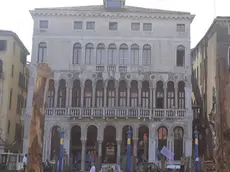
<point>138,113</point>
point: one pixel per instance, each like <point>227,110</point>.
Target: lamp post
<point>61,149</point>
<point>129,133</point>
<point>196,150</point>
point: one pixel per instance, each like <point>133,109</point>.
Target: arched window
<point>178,142</point>
<point>135,54</point>
<point>77,50</point>
<point>42,52</point>
<point>111,94</point>
<point>112,54</point>
<point>145,95</point>
<point>123,54</point>
<point>100,54</point>
<point>181,95</point>
<point>134,94</point>
<point>89,53</point>
<point>51,94</point>
<point>99,93</point>
<point>88,94</point>
<point>180,56</point>
<point>76,94</point>
<point>62,93</point>
<point>162,137</point>
<point>170,95</point>
<point>160,95</point>
<point>146,56</point>
<point>122,94</point>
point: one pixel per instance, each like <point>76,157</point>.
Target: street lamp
<point>61,149</point>
<point>196,150</point>
<point>129,133</point>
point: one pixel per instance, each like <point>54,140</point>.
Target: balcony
<point>121,113</point>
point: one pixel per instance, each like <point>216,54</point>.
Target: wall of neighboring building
<point>11,101</point>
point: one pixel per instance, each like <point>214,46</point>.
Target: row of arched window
<point>177,144</point>
<point>118,97</point>
<point>109,55</point>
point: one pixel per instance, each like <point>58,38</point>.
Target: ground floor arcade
<point>105,141</point>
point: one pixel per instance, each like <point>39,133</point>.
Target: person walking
<point>24,162</point>
<point>93,168</point>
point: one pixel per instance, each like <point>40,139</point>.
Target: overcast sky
<point>15,16</point>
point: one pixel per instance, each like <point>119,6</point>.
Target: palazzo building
<point>115,67</point>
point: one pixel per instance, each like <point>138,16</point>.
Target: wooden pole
<point>38,119</point>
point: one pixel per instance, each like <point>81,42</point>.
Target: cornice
<point>115,15</point>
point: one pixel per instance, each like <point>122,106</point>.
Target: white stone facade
<point>117,74</point>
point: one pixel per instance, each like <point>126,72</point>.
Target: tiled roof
<point>100,8</point>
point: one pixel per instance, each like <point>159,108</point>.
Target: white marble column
<point>176,97</point>
<point>93,95</point>
<point>82,95</point>
<point>188,101</point>
<point>83,150</point>
<point>152,148</point>
<point>67,141</point>
<point>154,97</point>
<point>151,97</point>
<point>70,86</point>
<point>165,96</point>
<point>139,93</point>
<point>67,95</point>
<point>99,153</point>
<point>118,151</point>
<point>117,93</point>
<point>188,147</point>
<point>128,93</point>
<point>105,95</point>
<point>56,93</point>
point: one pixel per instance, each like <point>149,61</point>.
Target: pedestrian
<point>24,162</point>
<point>182,163</point>
<point>93,168</point>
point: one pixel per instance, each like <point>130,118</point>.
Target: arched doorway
<point>75,146</point>
<point>143,144</point>
<point>109,146</point>
<point>91,143</point>
<point>55,143</point>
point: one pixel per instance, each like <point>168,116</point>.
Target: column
<point>165,96</point>
<point>83,142</point>
<point>82,94</point>
<point>70,85</point>
<point>188,147</point>
<point>118,151</point>
<point>134,162</point>
<point>67,96</point>
<point>176,97</point>
<point>105,95</point>
<point>99,154</point>
<point>154,97</point>
<point>67,143</point>
<point>93,95</point>
<point>56,93</point>
<point>139,93</point>
<point>151,97</point>
<point>128,93</point>
<point>152,148</point>
<point>188,93</point>
<point>117,97</point>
